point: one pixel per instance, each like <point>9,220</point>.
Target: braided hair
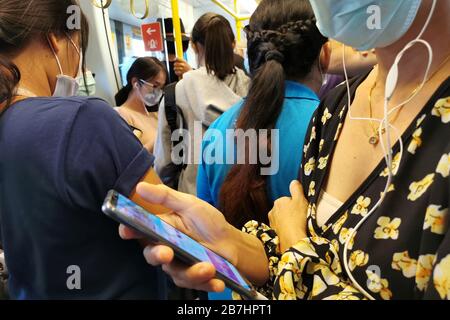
<point>283,44</point>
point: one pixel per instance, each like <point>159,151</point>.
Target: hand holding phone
<point>186,249</point>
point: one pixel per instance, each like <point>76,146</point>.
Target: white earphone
<point>391,84</point>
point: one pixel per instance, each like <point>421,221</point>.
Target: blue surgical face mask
<point>365,24</point>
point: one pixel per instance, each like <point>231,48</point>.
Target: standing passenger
<point>216,83</point>
<point>139,99</point>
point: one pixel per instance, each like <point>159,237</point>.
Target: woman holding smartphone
<point>59,157</point>
<point>386,236</point>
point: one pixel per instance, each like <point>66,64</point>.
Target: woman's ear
<point>135,82</point>
<point>54,43</point>
<point>325,57</point>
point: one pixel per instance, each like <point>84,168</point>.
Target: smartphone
<point>126,212</point>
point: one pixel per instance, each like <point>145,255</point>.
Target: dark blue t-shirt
<point>58,159</point>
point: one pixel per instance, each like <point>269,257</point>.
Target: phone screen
<point>140,216</point>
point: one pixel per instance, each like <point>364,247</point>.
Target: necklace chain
<point>374,137</point>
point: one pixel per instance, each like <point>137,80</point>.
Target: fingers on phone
<point>199,276</point>
<point>128,233</point>
<point>158,255</point>
<point>163,195</point>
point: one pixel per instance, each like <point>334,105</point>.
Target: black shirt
<point>402,250</point>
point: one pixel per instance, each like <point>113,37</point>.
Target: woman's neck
<point>135,103</point>
<point>413,65</point>
<point>34,76</point>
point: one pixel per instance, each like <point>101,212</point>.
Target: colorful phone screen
<point>177,238</point>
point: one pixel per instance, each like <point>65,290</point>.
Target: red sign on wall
<point>152,35</point>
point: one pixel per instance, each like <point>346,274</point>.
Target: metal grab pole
<point>177,28</point>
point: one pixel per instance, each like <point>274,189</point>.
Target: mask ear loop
<point>56,56</point>
<point>391,83</point>
<point>80,54</point>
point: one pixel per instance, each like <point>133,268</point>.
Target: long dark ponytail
<point>283,44</point>
<point>214,33</point>
<point>25,21</point>
<point>144,68</point>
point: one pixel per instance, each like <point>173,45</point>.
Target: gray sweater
<point>194,94</point>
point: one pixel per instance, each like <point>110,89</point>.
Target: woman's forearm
<point>251,258</point>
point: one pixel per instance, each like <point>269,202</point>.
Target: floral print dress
<point>402,250</point>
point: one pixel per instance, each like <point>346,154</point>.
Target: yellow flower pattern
<point>358,258</point>
<point>311,190</point>
<point>441,278</point>
<point>402,251</point>
<point>378,285</point>
<point>390,189</point>
<point>420,120</point>
<point>306,148</point>
<point>416,141</point>
<point>388,229</point>
<point>343,236</point>
<point>326,116</point>
<point>321,144</point>
<point>322,163</point>
<point>442,109</point>
<point>338,132</point>
<point>310,166</point>
<point>313,134</point>
<point>402,262</point>
<point>436,219</point>
<point>395,165</point>
<point>418,188</point>
<point>340,222</point>
<point>443,167</point>
<point>361,206</point>
<point>424,270</point>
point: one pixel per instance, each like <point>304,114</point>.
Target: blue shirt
<point>299,105</point>
<point>298,108</point>
<point>59,157</point>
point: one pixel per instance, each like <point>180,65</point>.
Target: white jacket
<point>194,94</point>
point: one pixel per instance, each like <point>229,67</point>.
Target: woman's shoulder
<point>54,108</point>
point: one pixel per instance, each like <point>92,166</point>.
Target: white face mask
<point>150,99</point>
<point>66,86</point>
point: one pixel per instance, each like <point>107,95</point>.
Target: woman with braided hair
<point>284,49</point>
<point>370,219</point>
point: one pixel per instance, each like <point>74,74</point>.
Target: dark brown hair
<point>145,68</point>
<point>24,21</point>
<point>283,44</point>
<point>214,33</point>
